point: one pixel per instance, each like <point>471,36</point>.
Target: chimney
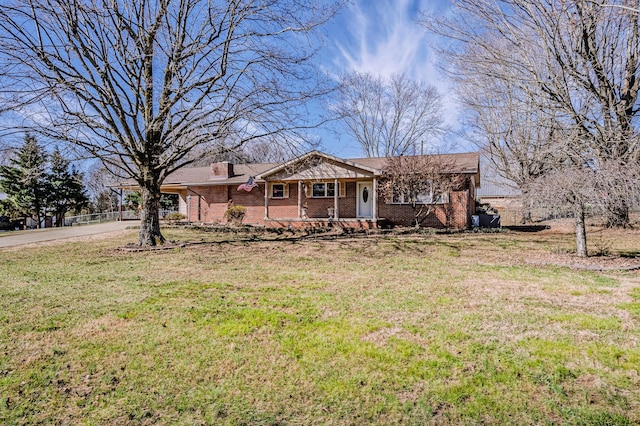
<point>221,170</point>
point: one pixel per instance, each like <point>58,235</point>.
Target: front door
<point>365,199</point>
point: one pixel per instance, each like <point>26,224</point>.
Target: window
<point>279,190</point>
<point>327,189</point>
<point>426,197</point>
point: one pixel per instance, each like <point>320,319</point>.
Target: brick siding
<point>209,203</point>
<point>455,214</point>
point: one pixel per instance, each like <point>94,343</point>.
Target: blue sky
<point>381,37</point>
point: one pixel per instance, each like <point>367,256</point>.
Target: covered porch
<point>319,188</point>
<point>318,199</point>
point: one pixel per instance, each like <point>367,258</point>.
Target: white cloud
<point>382,37</point>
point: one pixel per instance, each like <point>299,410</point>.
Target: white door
<point>364,205</point>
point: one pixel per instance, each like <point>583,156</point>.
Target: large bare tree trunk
<point>150,233</point>
<point>144,85</point>
<point>581,232</point>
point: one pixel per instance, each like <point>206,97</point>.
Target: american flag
<point>249,185</point>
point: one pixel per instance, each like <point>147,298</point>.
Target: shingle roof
<point>467,163</point>
<point>202,175</point>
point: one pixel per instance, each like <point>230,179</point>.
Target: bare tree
<point>519,136</point>
<point>100,183</point>
<point>141,84</point>
<point>389,117</point>
<point>588,189</point>
<point>421,181</point>
<point>578,60</point>
<point>573,70</point>
<point>255,151</point>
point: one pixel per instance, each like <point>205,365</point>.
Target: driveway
<point>18,238</point>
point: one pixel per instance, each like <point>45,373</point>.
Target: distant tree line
<point>39,184</point>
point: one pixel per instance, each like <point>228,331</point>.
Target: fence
<point>514,216</point>
<point>85,219</point>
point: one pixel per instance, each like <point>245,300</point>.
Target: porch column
<point>375,198</point>
<point>336,189</point>
<point>299,199</point>
<point>266,199</point>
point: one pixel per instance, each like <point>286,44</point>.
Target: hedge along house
<point>315,190</point>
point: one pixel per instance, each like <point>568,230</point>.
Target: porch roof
<point>316,165</point>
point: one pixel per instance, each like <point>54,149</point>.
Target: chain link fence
<point>516,216</point>
<point>85,219</point>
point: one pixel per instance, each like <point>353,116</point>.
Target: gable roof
<point>312,165</point>
<point>316,164</point>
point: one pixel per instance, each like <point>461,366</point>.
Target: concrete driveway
<point>18,238</point>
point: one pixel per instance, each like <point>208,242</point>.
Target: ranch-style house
<point>317,190</point>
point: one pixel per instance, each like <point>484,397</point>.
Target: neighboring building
<point>504,197</point>
<point>499,193</point>
<point>315,189</point>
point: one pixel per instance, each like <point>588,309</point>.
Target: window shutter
<point>285,186</point>
<point>343,190</point>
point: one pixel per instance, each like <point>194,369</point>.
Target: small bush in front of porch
<point>235,215</point>
<point>174,217</point>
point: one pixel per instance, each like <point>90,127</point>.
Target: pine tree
<point>24,180</point>
<point>37,184</point>
<point>66,191</point>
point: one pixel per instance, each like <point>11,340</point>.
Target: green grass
<point>416,330</point>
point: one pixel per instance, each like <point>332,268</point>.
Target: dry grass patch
<point>417,329</point>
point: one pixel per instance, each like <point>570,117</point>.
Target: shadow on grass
<point>630,254</point>
<point>527,228</point>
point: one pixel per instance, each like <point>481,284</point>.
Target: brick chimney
<point>221,170</point>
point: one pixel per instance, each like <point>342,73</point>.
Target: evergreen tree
<point>66,191</point>
<point>24,180</point>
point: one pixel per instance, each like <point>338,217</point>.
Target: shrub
<point>235,214</point>
<point>174,217</point>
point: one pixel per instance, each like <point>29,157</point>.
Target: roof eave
<point>303,157</point>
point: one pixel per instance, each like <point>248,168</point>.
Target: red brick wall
<point>455,214</point>
<point>213,202</point>
<point>208,204</point>
<point>253,201</point>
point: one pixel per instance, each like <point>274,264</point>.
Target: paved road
<point>10,239</point>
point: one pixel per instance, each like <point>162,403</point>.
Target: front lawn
<point>418,329</point>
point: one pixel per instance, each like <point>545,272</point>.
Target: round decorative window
<point>365,194</point>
